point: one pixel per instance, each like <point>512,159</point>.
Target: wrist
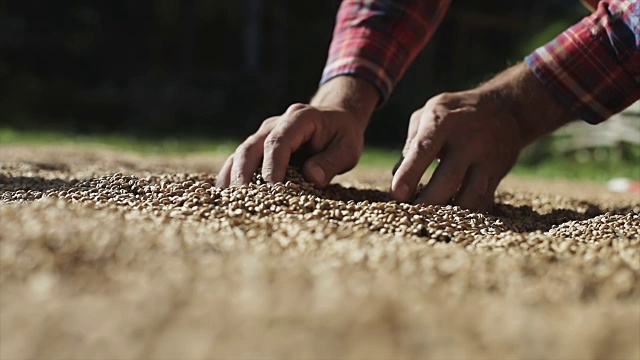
<point>535,109</point>
<point>351,94</point>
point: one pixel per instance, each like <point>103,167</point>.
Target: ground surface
<point>154,262</point>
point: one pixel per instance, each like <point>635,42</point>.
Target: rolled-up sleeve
<point>377,40</point>
<point>593,68</point>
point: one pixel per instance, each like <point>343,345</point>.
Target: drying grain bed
<point>107,255</point>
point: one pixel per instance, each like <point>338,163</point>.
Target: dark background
<point>216,69</point>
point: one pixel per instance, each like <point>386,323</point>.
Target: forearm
<point>593,68</point>
<point>352,94</point>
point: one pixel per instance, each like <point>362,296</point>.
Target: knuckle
<point>240,150</point>
<point>440,107</point>
<point>422,147</point>
<point>434,101</point>
<point>274,142</point>
<point>244,148</point>
<point>269,123</point>
<point>415,116</point>
<point>297,107</point>
<point>441,117</point>
<point>248,141</point>
<point>444,98</point>
<point>407,145</point>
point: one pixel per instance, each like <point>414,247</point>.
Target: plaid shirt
<point>593,68</point>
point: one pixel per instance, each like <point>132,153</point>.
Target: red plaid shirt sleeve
<point>593,68</point>
<point>378,39</point>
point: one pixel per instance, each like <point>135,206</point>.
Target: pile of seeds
<point>117,263</point>
<point>193,197</point>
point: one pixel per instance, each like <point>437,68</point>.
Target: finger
<point>420,154</point>
<point>487,201</point>
<point>446,180</point>
<point>397,165</point>
<point>293,131</point>
<point>337,158</point>
<point>472,193</point>
<point>414,123</point>
<point>247,159</point>
<point>224,175</point>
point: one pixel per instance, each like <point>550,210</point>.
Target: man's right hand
<point>331,128</point>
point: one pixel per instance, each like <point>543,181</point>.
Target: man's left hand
<point>477,136</point>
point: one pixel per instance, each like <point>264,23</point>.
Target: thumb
<point>335,159</point>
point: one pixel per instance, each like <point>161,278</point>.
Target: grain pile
<point>106,255</point>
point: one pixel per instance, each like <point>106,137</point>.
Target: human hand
<point>331,129</point>
<point>477,135</point>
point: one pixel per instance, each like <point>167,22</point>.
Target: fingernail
<point>317,174</point>
<point>402,192</point>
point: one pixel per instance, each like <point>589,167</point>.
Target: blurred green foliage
<point>158,146</point>
<point>598,168</point>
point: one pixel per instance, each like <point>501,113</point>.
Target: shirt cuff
<point>593,67</point>
<point>377,40</point>
<point>357,53</point>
